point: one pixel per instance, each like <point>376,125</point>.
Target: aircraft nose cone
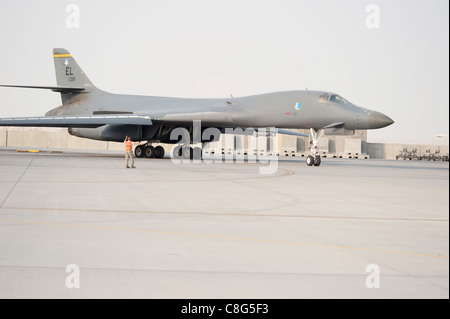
<point>379,120</point>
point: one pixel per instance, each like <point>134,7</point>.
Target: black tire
<point>159,152</point>
<point>317,161</point>
<point>139,151</point>
<point>310,160</point>
<point>150,152</point>
<point>176,152</point>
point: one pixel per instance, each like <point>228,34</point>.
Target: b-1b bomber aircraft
<point>89,112</point>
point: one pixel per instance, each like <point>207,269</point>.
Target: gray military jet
<point>91,113</point>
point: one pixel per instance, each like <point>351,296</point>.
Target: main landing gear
<point>182,152</point>
<point>149,151</point>
<point>314,159</point>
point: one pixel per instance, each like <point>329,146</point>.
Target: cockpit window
<point>338,99</point>
<point>324,98</point>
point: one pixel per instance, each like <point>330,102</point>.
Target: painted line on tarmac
<point>221,214</point>
<point>283,173</point>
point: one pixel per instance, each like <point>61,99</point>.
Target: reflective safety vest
<point>128,145</point>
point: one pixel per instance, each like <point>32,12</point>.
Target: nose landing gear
<point>314,159</point>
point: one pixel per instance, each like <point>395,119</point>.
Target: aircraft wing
<point>77,120</point>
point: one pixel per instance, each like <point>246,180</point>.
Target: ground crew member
<point>129,151</point>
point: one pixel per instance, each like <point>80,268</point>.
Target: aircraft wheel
<point>310,160</point>
<point>317,161</point>
<point>177,151</point>
<point>150,152</point>
<point>159,152</point>
<point>139,151</point>
<point>186,152</point>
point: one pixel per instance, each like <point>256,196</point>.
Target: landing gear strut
<point>314,159</point>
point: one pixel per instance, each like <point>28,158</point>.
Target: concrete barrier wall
<point>50,138</point>
<point>3,136</point>
<point>352,146</point>
<point>43,138</point>
<point>288,143</point>
<point>59,138</point>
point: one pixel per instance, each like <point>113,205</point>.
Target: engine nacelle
<point>152,133</point>
<point>115,133</point>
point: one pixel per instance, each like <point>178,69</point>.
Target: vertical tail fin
<point>69,73</point>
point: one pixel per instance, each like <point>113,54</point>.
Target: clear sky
<point>209,48</point>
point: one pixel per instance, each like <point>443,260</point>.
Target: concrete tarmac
<point>347,229</point>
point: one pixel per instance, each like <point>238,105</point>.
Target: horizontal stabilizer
<point>60,89</point>
<point>77,121</point>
